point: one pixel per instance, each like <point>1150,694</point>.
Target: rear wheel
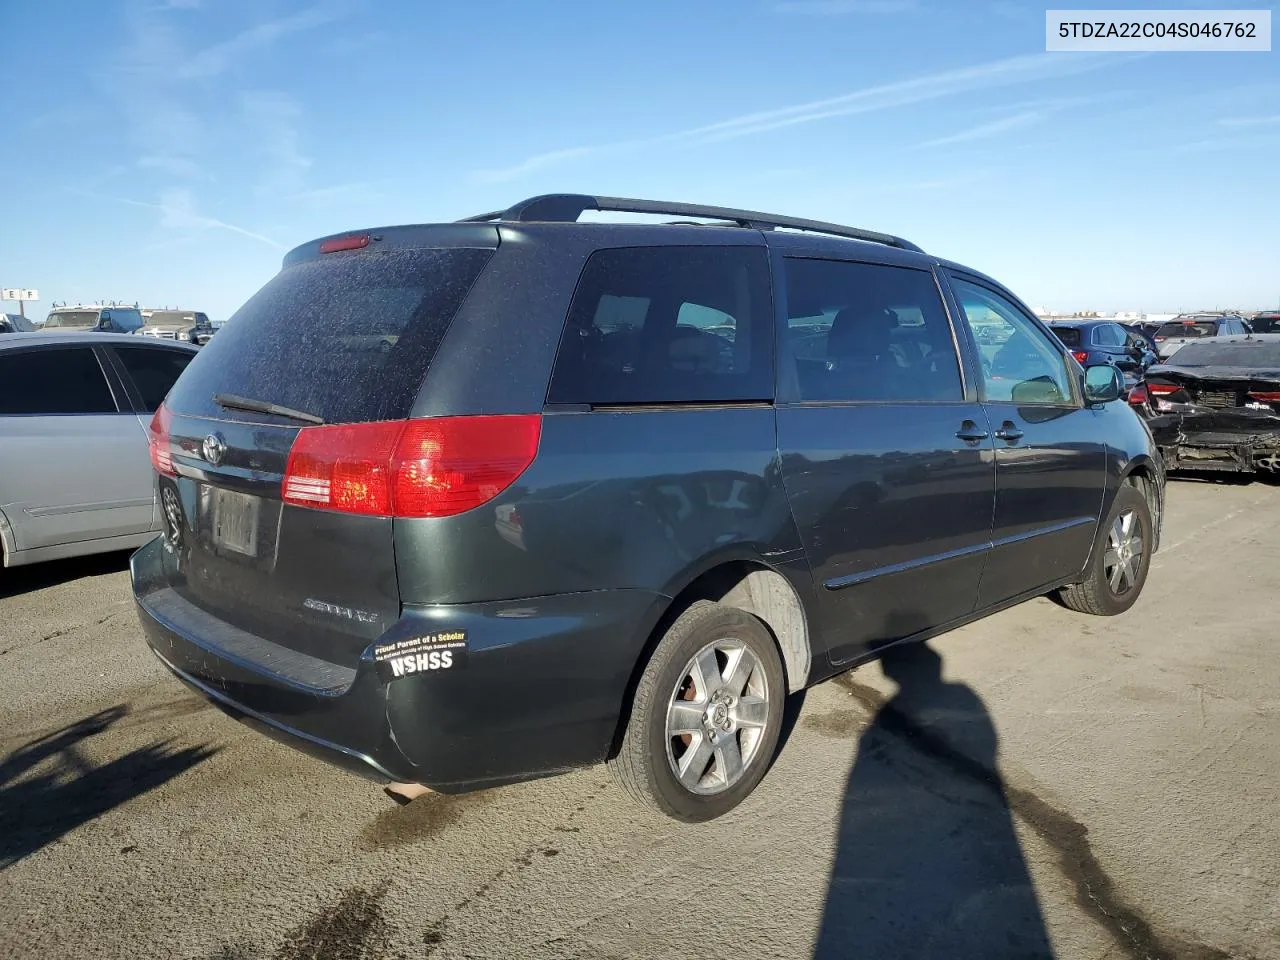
<point>706,715</point>
<point>1120,561</point>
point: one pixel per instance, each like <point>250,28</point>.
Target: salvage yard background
<point>1118,778</point>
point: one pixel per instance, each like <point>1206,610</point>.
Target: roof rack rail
<point>567,207</point>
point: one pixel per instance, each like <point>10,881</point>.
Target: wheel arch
<point>1145,474</point>
<point>8,542</point>
<point>745,581</point>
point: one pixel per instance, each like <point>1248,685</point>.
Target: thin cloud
<point>272,119</point>
<point>947,83</point>
<point>333,192</point>
<point>182,167</point>
<point>1251,121</point>
<point>178,213</point>
<point>214,60</point>
<point>840,8</point>
<point>984,131</point>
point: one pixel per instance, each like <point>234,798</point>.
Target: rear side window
<point>861,331</point>
<point>153,371</point>
<point>67,380</point>
<point>347,337</point>
<point>668,325</point>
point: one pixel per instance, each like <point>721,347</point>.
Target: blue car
<point>1097,342</point>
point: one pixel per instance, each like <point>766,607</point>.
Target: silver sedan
<point>75,474</point>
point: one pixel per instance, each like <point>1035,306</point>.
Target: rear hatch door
<point>344,337</point>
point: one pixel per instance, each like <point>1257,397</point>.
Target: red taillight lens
<point>1266,396</point>
<point>345,467</point>
<point>1081,356</point>
<point>158,442</point>
<point>1163,389</point>
<point>336,244</point>
<point>1138,395</point>
<point>410,468</point>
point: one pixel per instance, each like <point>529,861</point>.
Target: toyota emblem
<point>215,448</point>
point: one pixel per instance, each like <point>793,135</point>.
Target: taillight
<point>158,442</point>
<point>1081,356</point>
<point>1163,389</point>
<point>1138,395</point>
<point>435,467</point>
<point>1266,396</point>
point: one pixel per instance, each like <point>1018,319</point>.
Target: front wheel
<point>706,715</point>
<point>1120,561</point>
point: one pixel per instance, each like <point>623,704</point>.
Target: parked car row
<point>184,326</point>
<point>1210,389</point>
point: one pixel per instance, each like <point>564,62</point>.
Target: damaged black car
<point>1215,406</point>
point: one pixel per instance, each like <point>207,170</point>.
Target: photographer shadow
<point>927,863</point>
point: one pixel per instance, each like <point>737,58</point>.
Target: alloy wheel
<point>716,717</point>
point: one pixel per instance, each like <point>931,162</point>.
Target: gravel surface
<point>1040,783</point>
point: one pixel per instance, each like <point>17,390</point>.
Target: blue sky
<point>171,152</point>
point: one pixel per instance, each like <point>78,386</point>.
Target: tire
<point>1096,594</point>
<point>734,708</point>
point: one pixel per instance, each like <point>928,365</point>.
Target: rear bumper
<point>541,690</point>
<point>1219,441</point>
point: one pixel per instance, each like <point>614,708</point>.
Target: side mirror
<point>1102,384</point>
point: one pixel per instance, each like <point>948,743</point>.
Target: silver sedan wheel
<point>716,717</point>
<point>1123,557</point>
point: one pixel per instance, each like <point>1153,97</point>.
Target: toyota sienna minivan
<point>463,504</point>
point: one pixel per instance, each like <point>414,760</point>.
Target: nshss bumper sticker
<point>429,654</point>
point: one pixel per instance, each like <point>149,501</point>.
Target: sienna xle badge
<point>462,504</point>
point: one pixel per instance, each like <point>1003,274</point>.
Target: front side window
<point>656,325</point>
<point>1026,367</point>
<point>65,380</point>
<point>866,332</point>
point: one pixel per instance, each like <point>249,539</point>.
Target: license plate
<point>235,521</point>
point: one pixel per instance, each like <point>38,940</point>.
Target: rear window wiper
<point>229,401</point>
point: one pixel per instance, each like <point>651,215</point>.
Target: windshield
<point>72,318</point>
<point>1257,354</point>
<point>1069,336</point>
<point>1188,328</point>
<point>172,318</point>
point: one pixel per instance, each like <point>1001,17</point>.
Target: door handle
<point>971,432</point>
<point>1009,431</point>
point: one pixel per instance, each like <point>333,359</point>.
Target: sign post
<point>21,295</point>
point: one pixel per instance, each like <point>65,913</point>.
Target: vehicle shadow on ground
<point>927,863</point>
<point>70,791</point>
<point>38,576</point>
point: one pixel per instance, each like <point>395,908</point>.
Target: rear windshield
<point>1243,353</point>
<point>1188,328</point>
<point>1265,324</point>
<point>347,337</point>
<point>1070,336</point>
<point>73,318</point>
